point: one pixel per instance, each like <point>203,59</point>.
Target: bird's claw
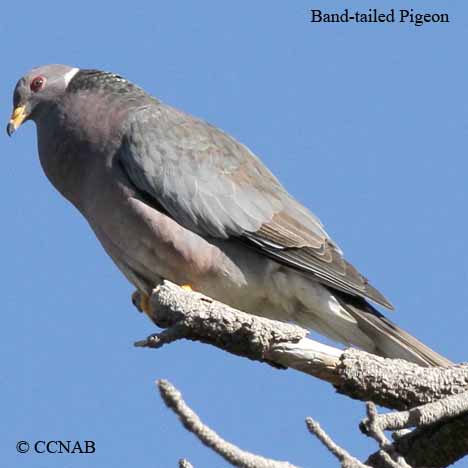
<point>141,301</point>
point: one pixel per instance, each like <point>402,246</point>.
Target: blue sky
<point>365,124</point>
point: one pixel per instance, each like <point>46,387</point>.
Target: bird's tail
<point>389,340</point>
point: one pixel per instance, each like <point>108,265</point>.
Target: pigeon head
<point>36,91</point>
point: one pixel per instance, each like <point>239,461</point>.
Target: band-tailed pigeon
<point>171,197</point>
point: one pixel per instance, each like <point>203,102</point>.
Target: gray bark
<point>433,400</point>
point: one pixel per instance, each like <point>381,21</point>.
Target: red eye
<point>37,84</point>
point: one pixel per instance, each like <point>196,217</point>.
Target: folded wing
<point>215,186</point>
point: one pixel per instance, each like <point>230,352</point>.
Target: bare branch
<point>234,455</point>
<point>157,340</point>
<point>389,456</point>
<point>346,460</point>
<point>183,463</point>
<point>393,383</point>
<point>373,429</point>
<point>435,446</point>
<point>421,416</point>
<point>440,417</point>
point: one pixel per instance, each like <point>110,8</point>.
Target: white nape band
<point>69,75</point>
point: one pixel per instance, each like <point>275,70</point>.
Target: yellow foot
<point>141,301</point>
<point>187,287</point>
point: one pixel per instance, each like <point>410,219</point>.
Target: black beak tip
<point>10,129</point>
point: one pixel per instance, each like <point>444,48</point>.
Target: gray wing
<point>215,186</point>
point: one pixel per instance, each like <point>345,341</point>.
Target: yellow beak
<point>16,119</point>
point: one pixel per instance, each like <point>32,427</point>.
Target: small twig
<point>233,454</point>
<point>183,463</point>
<point>346,460</point>
<point>372,427</point>
<point>157,340</point>
<point>374,430</point>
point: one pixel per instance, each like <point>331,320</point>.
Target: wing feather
<point>215,186</point>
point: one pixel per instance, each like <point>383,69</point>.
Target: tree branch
<point>421,416</point>
<point>346,460</point>
<point>436,446</point>
<point>238,457</point>
<point>441,434</point>
<point>234,455</point>
<point>392,383</point>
